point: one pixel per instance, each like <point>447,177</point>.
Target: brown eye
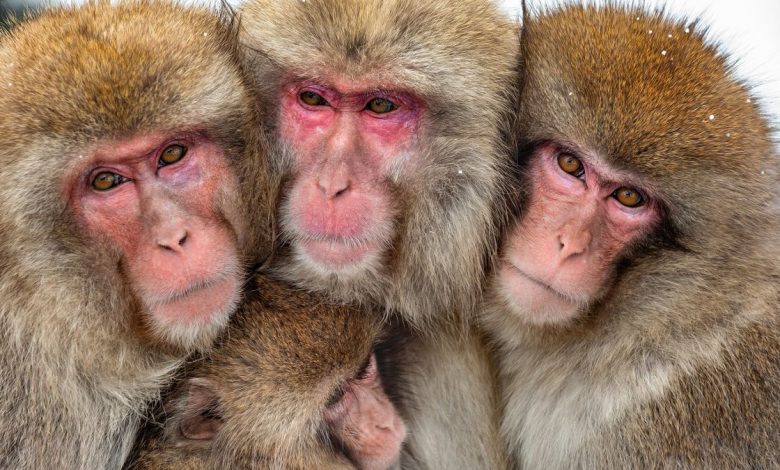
<point>380,106</point>
<point>629,197</point>
<point>172,154</point>
<point>571,164</point>
<point>106,180</point>
<point>312,99</point>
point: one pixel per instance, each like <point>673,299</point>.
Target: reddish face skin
<point>153,198</point>
<point>562,254</point>
<point>351,144</point>
<point>366,422</point>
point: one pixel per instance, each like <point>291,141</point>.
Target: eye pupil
<point>312,99</point>
<point>172,154</point>
<point>629,197</point>
<point>380,106</point>
<point>570,164</point>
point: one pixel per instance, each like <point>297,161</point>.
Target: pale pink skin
<point>366,422</point>
<point>562,253</point>
<point>178,256</point>
<point>339,208</point>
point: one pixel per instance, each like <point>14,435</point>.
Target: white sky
<point>748,29</point>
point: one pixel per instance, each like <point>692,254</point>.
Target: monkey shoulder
<point>655,410</point>
<point>724,414</point>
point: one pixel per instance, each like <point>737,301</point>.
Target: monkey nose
<point>333,185</point>
<point>575,242</point>
<point>172,240</point>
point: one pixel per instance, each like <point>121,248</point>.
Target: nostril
<point>173,241</point>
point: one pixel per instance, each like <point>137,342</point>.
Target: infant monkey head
<point>295,384</point>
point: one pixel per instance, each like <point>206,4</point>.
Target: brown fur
<point>446,388</point>
<point>76,371</point>
<point>460,57</point>
<point>678,364</point>
<point>278,365</point>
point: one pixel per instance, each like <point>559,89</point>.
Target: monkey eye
<point>629,197</point>
<point>571,164</point>
<point>171,155</point>
<point>312,99</point>
<point>106,180</point>
<point>380,106</point>
<point>336,397</point>
<point>369,369</point>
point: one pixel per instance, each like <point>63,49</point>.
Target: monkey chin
<point>193,320</point>
<point>341,270</point>
<point>332,244</point>
<point>534,302</point>
<point>336,255</point>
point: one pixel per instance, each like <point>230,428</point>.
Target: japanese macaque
<point>636,309</point>
<point>122,143</point>
<point>294,385</point>
<point>386,119</point>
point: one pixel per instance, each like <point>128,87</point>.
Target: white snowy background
<point>748,29</point>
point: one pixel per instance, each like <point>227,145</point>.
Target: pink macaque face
<point>581,216</point>
<point>351,144</point>
<point>154,199</point>
<point>362,418</point>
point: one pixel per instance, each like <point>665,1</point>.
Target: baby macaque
<point>293,385</point>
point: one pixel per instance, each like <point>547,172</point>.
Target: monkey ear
<point>202,419</point>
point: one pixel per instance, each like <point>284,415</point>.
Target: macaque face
<point>352,143</point>
<point>580,217</point>
<point>153,198</point>
<point>364,421</point>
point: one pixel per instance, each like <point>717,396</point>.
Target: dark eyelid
<point>364,368</point>
<point>336,396</point>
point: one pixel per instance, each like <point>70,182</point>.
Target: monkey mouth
<point>519,276</point>
<point>534,280</point>
<point>199,302</point>
<point>198,286</point>
<point>534,300</point>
